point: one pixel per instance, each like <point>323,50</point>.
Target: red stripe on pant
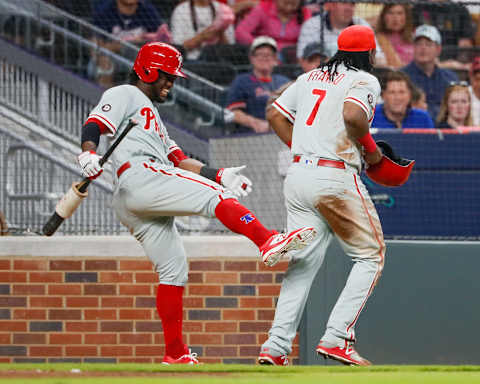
<point>377,275</point>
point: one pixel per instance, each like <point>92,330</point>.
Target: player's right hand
<point>90,163</point>
<point>373,157</point>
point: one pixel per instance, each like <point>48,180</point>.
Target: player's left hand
<point>232,179</point>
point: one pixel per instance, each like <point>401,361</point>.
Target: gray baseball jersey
<point>149,139</point>
<point>151,190</point>
<point>329,196</point>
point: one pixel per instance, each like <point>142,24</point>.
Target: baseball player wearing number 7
<point>331,109</point>
<point>155,181</point>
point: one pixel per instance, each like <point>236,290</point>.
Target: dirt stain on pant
<point>348,221</point>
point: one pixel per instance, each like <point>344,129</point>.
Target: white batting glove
<point>237,183</point>
<point>90,163</point>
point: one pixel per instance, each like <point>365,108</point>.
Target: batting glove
<point>90,163</point>
<point>231,179</point>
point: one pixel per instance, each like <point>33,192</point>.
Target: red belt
<point>323,162</point>
<point>123,168</point>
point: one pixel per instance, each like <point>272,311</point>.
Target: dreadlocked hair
<point>351,60</point>
<point>132,77</point>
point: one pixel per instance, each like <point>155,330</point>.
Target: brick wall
<point>92,310</point>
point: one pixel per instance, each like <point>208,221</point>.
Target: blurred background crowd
<point>428,54</point>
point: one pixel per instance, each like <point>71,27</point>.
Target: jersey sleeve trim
<point>176,156</point>
<point>358,102</point>
<point>284,112</point>
<point>173,148</point>
<point>105,121</point>
<point>103,128</point>
<point>237,104</point>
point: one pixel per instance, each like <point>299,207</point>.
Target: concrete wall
<point>424,310</point>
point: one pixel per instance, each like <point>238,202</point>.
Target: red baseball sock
<point>239,219</point>
<point>170,310</point>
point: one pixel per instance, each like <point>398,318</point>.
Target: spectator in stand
<point>454,23</point>
<point>394,32</point>
<point>452,19</point>
<point>369,12</point>
<point>196,23</point>
<point>396,110</point>
<point>134,21</point>
<point>419,99</point>
<point>455,110</point>
<point>474,10</point>
<point>279,19</point>
<point>312,57</point>
<point>475,90</point>
<point>337,17</point>
<point>249,92</point>
<point>424,71</point>
<point>240,7</point>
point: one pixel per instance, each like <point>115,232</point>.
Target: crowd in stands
<point>423,49</point>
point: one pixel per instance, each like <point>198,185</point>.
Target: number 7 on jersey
<point>321,95</point>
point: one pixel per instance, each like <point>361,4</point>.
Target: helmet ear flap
<point>149,75</point>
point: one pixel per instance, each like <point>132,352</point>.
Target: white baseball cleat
<point>277,246</point>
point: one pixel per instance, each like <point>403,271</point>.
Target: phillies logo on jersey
<point>150,121</point>
<point>248,218</point>
<point>370,99</point>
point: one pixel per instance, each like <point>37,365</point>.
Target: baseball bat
<point>74,196</point>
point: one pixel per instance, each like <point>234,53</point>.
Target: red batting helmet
<point>356,38</point>
<point>157,56</point>
<point>391,171</point>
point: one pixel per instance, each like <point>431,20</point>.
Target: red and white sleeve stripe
<point>176,155</point>
<point>108,126</point>
<point>284,111</point>
<point>360,103</point>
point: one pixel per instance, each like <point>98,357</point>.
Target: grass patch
<point>235,374</point>
<point>233,368</point>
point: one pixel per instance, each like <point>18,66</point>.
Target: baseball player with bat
<point>78,191</point>
<point>331,109</point>
<point>155,181</point>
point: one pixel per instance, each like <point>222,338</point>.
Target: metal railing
<point>34,179</point>
<point>67,41</point>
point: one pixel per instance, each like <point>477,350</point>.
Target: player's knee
<point>376,252</point>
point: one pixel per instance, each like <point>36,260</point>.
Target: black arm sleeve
<point>209,173</point>
<point>91,132</point>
